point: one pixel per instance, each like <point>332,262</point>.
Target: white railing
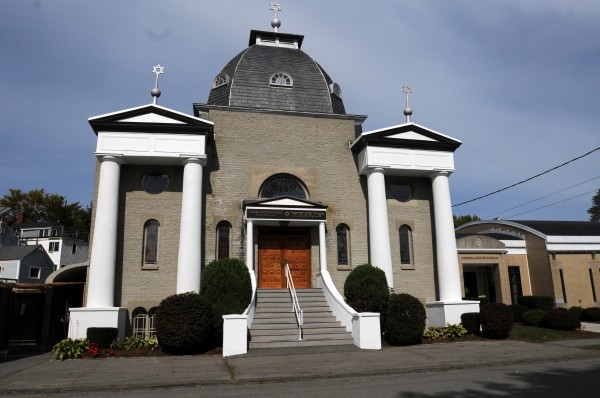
<point>295,303</point>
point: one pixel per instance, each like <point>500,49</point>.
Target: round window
<point>155,182</point>
<point>401,192</point>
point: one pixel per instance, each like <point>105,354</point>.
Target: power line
<point>551,204</point>
<point>540,198</point>
<point>528,179</point>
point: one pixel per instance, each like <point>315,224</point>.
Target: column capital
<point>201,160</point>
<point>372,170</point>
<point>103,157</point>
<point>438,173</point>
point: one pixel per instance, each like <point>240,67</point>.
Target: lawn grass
<point>535,334</point>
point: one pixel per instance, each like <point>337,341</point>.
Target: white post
<point>188,263</point>
<point>250,245</point>
<point>379,233</point>
<point>101,283</point>
<point>447,258</point>
<point>322,247</point>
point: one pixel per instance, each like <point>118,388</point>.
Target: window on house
<point>35,272</point>
<point>54,232</point>
<point>593,285</point>
<point>343,244</point>
<point>223,239</point>
<point>221,80</point>
<point>562,285</point>
<point>151,229</point>
<point>283,185</point>
<point>516,289</point>
<point>143,322</point>
<point>43,233</point>
<point>74,249</point>
<point>282,79</point>
<point>406,245</point>
<point>53,247</point>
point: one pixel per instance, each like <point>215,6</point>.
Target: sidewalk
<point>40,374</point>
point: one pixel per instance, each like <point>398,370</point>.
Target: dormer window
<point>336,89</point>
<point>281,79</point>
<point>221,80</point>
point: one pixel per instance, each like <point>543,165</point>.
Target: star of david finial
<point>407,111</point>
<point>158,70</point>
<point>275,23</point>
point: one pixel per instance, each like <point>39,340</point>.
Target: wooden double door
<point>275,248</point>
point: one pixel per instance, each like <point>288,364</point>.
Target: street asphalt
<point>41,375</point>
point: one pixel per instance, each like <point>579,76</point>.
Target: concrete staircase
<point>275,323</point>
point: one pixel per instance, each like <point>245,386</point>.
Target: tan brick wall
<point>576,273</point>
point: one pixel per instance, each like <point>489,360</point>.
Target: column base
<point>80,319</point>
<point>440,313</point>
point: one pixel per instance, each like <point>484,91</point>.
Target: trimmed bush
<point>518,311</point>
<point>577,311</point>
<point>545,303</point>
<point>482,300</point>
<point>470,320</point>
<point>102,336</point>
<point>226,285</point>
<point>496,320</point>
<point>366,289</point>
<point>405,320</point>
<point>533,317</point>
<point>560,319</point>
<point>591,314</point>
<point>183,324</point>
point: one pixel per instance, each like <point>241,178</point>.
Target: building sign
<point>286,214</point>
<point>480,258</point>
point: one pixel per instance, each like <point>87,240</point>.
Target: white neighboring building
<point>63,250</point>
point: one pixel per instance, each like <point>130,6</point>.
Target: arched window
<point>139,322</point>
<point>282,79</point>
<point>151,229</point>
<point>406,245</point>
<point>223,239</point>
<point>221,80</point>
<point>343,244</point>
<point>142,322</point>
<point>283,185</point>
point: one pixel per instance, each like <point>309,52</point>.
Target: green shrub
<point>434,332</point>
<point>453,331</point>
<point>577,311</point>
<point>226,285</point>
<point>496,320</point>
<point>560,319</point>
<point>545,303</point>
<point>591,314</point>
<point>533,317</point>
<point>405,320</point>
<point>470,321</point>
<point>102,336</point>
<point>183,324</point>
<point>70,349</point>
<point>518,311</point>
<point>366,289</point>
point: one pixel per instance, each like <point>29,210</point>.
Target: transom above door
<point>278,246</point>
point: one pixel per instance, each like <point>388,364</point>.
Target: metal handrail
<point>296,305</point>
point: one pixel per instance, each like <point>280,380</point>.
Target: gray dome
<point>250,79</point>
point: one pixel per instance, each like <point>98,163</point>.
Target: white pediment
<point>286,202</point>
<point>150,118</point>
<point>411,135</point>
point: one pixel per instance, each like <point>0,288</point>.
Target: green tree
<point>38,206</point>
<point>594,211</point>
<point>466,218</point>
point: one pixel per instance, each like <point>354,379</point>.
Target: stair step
<point>292,330</point>
<point>306,326</point>
<point>300,343</point>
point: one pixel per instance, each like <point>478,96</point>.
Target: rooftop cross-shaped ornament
<point>158,70</point>
<point>407,111</point>
<point>275,23</point>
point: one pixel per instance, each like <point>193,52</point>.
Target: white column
<point>101,281</point>
<point>322,247</point>
<point>447,259</point>
<point>250,245</point>
<point>379,233</point>
<point>190,236</point>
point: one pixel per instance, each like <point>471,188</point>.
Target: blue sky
<point>518,82</point>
